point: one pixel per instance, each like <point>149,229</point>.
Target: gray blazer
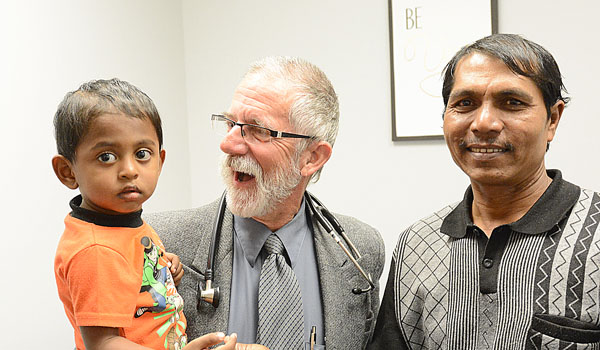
<point>349,318</point>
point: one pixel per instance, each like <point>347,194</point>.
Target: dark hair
<point>521,56</point>
<point>80,107</point>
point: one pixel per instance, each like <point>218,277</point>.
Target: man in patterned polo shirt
<point>515,264</point>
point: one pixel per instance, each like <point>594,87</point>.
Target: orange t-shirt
<point>117,277</point>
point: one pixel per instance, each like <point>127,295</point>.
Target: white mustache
<point>244,165</point>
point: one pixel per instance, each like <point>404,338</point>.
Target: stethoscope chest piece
<point>210,295</point>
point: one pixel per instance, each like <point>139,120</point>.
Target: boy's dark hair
<point>522,56</point>
<point>80,107</point>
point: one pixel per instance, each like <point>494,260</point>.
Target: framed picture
<point>424,35</point>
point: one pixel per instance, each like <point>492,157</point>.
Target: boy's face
<point>117,164</point>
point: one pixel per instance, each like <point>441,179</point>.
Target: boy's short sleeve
<point>103,286</point>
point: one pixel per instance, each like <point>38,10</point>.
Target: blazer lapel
<point>224,268</point>
<point>217,319</point>
<point>338,276</point>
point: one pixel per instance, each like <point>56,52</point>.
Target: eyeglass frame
<point>274,133</point>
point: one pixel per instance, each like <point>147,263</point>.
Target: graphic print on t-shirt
<point>158,283</point>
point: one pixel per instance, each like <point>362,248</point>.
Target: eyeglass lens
<point>251,133</point>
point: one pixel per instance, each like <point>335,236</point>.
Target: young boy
<point>111,269</point>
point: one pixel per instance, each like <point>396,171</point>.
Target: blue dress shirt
<point>248,240</point>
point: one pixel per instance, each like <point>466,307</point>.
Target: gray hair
<point>315,111</point>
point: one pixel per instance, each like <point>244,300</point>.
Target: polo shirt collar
<point>548,211</point>
<point>131,220</point>
<point>252,235</point>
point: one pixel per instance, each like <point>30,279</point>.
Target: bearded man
<point>277,135</point>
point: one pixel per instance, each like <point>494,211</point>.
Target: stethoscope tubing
<point>335,229</point>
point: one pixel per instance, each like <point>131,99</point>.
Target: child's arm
<point>98,338</point>
<point>175,266</point>
<point>101,338</point>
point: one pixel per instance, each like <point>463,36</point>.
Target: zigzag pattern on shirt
<point>545,269</point>
<point>578,263</point>
<point>534,339</point>
<point>556,285</point>
<point>592,291</point>
<point>563,258</point>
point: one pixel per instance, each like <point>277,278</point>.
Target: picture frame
<point>424,35</point>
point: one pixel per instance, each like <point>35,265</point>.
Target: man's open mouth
<point>242,177</point>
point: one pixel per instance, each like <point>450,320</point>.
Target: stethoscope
<point>210,293</point>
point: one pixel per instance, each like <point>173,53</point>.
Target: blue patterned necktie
<point>280,313</point>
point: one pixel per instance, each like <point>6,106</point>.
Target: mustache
<point>489,142</point>
<point>243,164</point>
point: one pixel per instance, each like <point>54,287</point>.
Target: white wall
<point>49,48</point>
<point>188,56</point>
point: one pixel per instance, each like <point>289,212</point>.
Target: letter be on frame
<point>412,18</point>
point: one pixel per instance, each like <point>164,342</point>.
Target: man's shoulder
<point>429,224</point>
<point>363,235</point>
<point>587,204</point>
<point>434,221</point>
<point>182,231</point>
<point>350,223</point>
<point>585,193</point>
<point>179,227</point>
<point>359,230</point>
<point>424,234</point>
<point>182,217</point>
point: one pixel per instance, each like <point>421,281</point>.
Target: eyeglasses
<point>250,132</point>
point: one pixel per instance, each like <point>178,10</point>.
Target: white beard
<point>270,190</point>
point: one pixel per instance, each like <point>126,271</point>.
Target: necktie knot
<point>273,245</point>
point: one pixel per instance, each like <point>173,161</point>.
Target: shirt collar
<point>252,235</point>
<point>131,220</point>
<point>547,212</point>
